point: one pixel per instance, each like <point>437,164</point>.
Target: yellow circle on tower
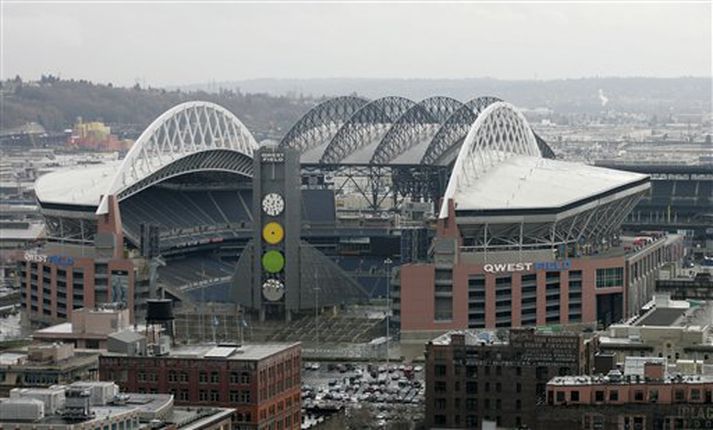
<point>273,233</point>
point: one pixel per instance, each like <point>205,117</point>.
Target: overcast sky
<point>163,44</point>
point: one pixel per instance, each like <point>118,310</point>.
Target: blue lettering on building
<point>60,260</point>
<point>553,265</point>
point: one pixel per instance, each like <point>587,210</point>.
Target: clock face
<point>273,289</point>
<point>273,204</point>
<point>273,233</point>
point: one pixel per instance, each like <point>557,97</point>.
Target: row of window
<point>695,395</point>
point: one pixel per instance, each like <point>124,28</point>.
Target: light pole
<point>387,263</point>
<point>316,308</point>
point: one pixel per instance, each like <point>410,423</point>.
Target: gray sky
<point>189,43</point>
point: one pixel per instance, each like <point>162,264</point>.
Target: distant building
<point>262,382</point>
<point>96,135</point>
<point>45,365</point>
<point>100,406</point>
<point>473,377</point>
<point>652,401</point>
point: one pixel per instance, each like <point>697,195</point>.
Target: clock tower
<point>276,238</point>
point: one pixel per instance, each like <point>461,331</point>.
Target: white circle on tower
<point>273,204</point>
<point>273,289</point>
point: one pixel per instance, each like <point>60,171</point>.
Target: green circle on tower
<point>273,261</point>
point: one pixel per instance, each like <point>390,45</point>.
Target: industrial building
<point>656,400</point>
<point>99,405</point>
<point>260,381</point>
<point>476,376</point>
<point>44,365</point>
<point>678,331</point>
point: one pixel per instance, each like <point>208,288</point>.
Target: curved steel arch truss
<point>500,132</point>
<point>366,125</point>
<point>545,149</point>
<point>321,122</point>
<point>183,130</point>
<point>454,129</point>
<point>413,126</point>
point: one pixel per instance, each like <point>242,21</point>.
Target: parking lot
<point>393,392</point>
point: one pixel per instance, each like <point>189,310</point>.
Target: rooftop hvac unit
<point>78,404</point>
<point>22,409</point>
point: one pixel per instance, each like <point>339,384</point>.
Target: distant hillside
<point>660,96</point>
<point>56,104</point>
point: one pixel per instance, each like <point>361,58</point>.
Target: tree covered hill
<point>56,104</point>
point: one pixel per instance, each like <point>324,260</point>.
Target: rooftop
<point>622,380</point>
<point>525,182</point>
<point>212,351</point>
<point>79,186</point>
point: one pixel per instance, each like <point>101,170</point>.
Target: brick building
<point>261,382</point>
<point>474,376</point>
<point>655,401</point>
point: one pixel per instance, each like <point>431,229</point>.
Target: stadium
<point>360,197</point>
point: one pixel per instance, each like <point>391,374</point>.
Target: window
<point>440,387</point>
<point>653,396</point>
<point>612,277</point>
<point>245,396</point>
<point>679,396</point>
<point>695,394</point>
<point>471,404</point>
<point>245,378</point>
<point>560,396</point>
<point>498,404</point>
<point>234,396</point>
<point>439,420</point>
<point>203,395</point>
<point>440,404</point>
<point>613,396</point>
<point>214,378</point>
<point>202,377</point>
<point>498,387</point>
<point>234,377</point>
<point>214,396</point>
<point>639,396</point>
<point>518,404</point>
<point>518,388</point>
<point>471,388</point>
<point>439,370</point>
<point>599,396</point>
<point>574,396</point>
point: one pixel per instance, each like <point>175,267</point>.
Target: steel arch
<point>545,149</point>
<point>179,132</point>
<point>416,124</point>
<point>455,128</point>
<point>321,122</point>
<point>364,126</point>
<point>500,132</point>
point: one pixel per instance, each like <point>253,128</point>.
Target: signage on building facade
<point>272,157</point>
<point>526,267</point>
<point>58,260</point>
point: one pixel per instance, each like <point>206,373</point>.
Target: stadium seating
<point>174,211</point>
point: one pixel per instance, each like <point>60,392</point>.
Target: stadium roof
<point>524,182</point>
<point>82,187</point>
<point>389,130</point>
<point>500,167</point>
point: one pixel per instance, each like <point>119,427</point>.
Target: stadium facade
<point>447,191</point>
